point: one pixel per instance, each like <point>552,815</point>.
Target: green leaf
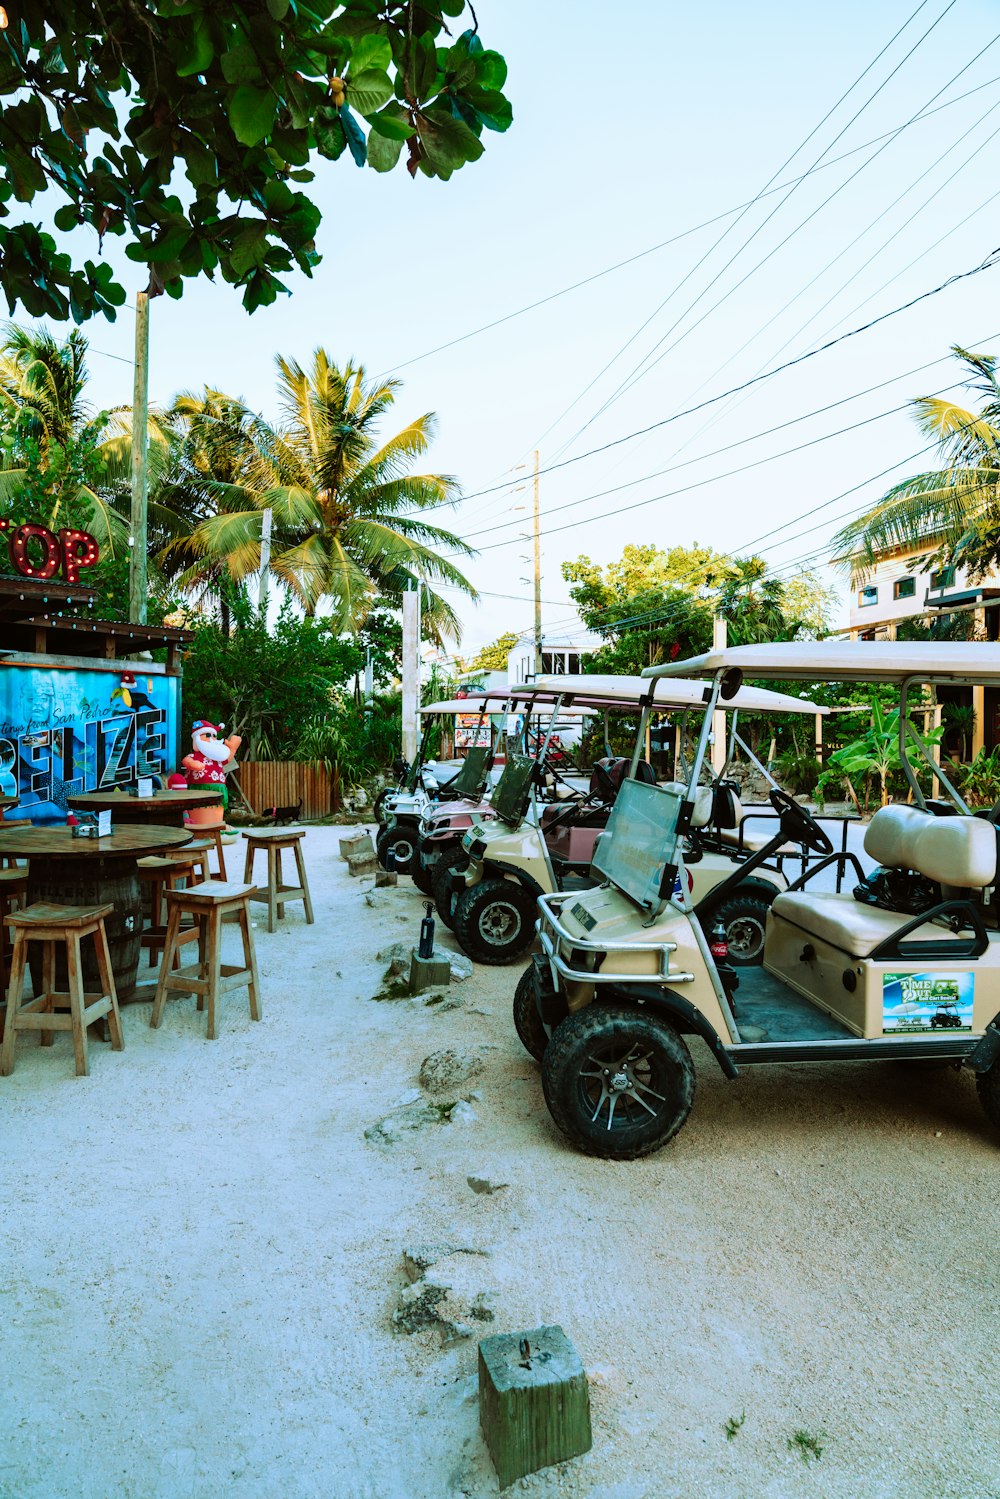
<point>393,122</point>
<point>355,136</point>
<point>368,91</point>
<point>331,138</point>
<point>491,70</point>
<point>251,114</point>
<point>249,247</point>
<point>240,64</point>
<point>67,217</point>
<point>448,142</point>
<point>278,9</point>
<point>383,153</point>
<point>371,52</point>
<point>490,107</point>
<point>200,54</point>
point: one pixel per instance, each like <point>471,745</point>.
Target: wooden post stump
<point>357,843</point>
<point>534,1404</point>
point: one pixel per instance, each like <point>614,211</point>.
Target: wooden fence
<point>284,783</point>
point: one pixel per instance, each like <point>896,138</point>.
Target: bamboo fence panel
<point>284,783</point>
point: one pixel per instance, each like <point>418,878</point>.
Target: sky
<point>633,126</point>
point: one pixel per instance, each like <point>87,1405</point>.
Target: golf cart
<point>627,970</point>
<point>428,783</point>
<point>558,779</point>
<point>526,853</point>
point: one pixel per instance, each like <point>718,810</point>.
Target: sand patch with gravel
<point>203,1256</point>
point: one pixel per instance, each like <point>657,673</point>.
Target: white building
<point>562,656</point>
<point>904,584</point>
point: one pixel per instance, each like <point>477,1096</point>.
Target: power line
<point>638,373</point>
<point>987,263</point>
<point>742,442</point>
<point>749,240</point>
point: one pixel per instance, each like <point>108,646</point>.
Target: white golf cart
<point>526,853</point>
<point>627,971</point>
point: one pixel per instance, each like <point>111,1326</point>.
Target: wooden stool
<point>275,894</point>
<point>160,874</point>
<point>197,853</point>
<point>214,836</point>
<point>209,977</point>
<point>51,924</point>
<point>13,894</point>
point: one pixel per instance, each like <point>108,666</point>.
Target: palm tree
<point>60,460</point>
<point>348,521</point>
<point>753,605</point>
<point>955,507</point>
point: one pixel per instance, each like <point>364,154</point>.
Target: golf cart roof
<point>967,662</point>
<point>596,690</point>
<point>474,703</point>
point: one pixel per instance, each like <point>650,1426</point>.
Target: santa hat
<point>202,723</point>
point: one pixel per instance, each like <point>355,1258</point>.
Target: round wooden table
<point>163,808</point>
<point>70,871</point>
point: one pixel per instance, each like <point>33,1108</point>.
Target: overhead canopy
<point>601,691</point>
<point>968,662</point>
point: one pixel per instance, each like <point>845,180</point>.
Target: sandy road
<point>201,1257</point>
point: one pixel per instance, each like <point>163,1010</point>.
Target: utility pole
<point>265,559</point>
<point>411,651</point>
<point>140,472</point>
<point>538,579</point>
<point>720,639</point>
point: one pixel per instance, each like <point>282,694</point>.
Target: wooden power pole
<point>538,579</point>
<point>140,470</point>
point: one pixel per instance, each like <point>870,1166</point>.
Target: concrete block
<point>356,843</point>
<point>384,877</point>
<point>534,1404</point>
<point>360,864</point>
<point>429,973</point>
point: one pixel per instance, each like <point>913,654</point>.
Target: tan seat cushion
<point>846,923</point>
<point>958,851</point>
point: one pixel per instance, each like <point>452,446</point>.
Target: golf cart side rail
<point>552,942</point>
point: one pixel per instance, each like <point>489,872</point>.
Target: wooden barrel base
<point>95,882</point>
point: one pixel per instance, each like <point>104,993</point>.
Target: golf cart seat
<point>731,822</point>
<point>703,803</point>
<point>959,853</point>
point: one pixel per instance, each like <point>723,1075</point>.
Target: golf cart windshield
<point>510,799</point>
<point>641,838</point>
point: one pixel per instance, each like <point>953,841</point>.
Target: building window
<point>904,588</point>
<point>867,596</point>
<point>943,579</point>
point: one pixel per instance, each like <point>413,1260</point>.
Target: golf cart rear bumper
<point>561,946</point>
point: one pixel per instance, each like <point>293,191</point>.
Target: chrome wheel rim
<point>499,923</point>
<point>745,936</point>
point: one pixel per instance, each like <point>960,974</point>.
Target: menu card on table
<point>144,786</point>
<point>104,824</point>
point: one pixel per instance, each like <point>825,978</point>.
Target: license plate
<point>583,916</point>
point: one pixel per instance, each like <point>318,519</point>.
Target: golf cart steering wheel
<point>800,825</point>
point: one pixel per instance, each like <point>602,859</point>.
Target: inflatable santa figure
<point>205,767</point>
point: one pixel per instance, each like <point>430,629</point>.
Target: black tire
<point>988,1088</point>
<point>403,841</point>
<point>744,918</point>
<point>421,877</point>
<point>378,804</point>
<point>446,896</point>
<point>587,1051</point>
<point>527,1021</point>
<point>495,921</point>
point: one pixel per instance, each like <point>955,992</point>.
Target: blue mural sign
<point>67,730</point>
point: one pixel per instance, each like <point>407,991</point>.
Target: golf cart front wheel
<point>527,1021</point>
<point>745,920</point>
<point>618,1083</point>
<point>403,846</point>
<point>988,1088</point>
<point>495,921</point>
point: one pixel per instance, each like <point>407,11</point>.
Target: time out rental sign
<point>36,552</point>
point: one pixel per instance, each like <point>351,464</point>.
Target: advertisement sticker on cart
<point>927,1002</point>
